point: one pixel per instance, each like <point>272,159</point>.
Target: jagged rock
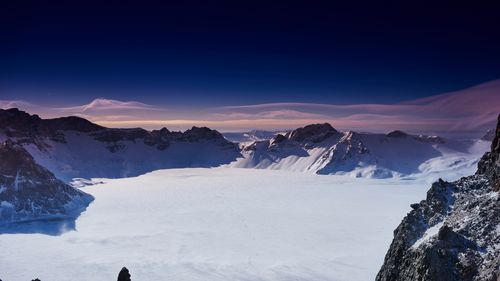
<point>279,138</point>
<point>454,234</point>
<point>29,192</point>
<point>313,133</point>
<point>124,275</point>
<point>490,162</point>
<point>22,123</point>
<point>28,128</point>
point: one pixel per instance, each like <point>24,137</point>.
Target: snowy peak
<point>321,149</point>
<point>314,133</point>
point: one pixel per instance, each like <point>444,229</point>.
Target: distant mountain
<point>454,234</point>
<point>321,149</point>
<point>489,136</point>
<point>72,147</point>
<point>30,192</point>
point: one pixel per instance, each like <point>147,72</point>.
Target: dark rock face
<point>28,128</point>
<point>454,234</point>
<point>313,133</point>
<point>19,123</point>
<point>30,192</point>
<point>279,138</point>
<point>490,162</point>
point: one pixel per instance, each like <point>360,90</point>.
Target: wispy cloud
<point>472,111</point>
<point>102,104</point>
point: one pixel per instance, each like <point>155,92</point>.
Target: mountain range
<point>69,150</point>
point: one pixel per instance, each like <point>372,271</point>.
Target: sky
<point>199,56</point>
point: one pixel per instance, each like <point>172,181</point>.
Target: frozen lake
<point>221,224</point>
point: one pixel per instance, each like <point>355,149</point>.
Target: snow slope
<point>82,156</point>
<point>366,155</point>
<point>29,192</point>
<point>221,224</point>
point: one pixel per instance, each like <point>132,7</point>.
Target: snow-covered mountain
<point>30,192</point>
<point>454,234</point>
<point>72,147</point>
<point>321,149</point>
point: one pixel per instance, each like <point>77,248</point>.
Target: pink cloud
<point>473,110</point>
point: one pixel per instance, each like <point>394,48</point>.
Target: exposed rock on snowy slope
<point>455,233</point>
<point>72,147</point>
<point>251,136</point>
<point>30,192</point>
<point>321,149</point>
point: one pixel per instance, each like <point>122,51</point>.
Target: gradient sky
<point>244,65</point>
<point>202,53</point>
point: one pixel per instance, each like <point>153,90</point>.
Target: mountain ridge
<point>73,147</point>
<point>454,234</point>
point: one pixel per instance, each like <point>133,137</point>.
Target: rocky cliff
<point>29,192</point>
<point>454,234</point>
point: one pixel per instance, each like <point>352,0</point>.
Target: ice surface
<point>221,224</point>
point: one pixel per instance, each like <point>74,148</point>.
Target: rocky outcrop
<point>124,275</point>
<point>454,234</point>
<point>490,162</point>
<point>314,133</point>
<point>30,192</point>
<point>17,123</point>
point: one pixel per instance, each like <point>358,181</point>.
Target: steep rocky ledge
<point>29,192</point>
<point>454,234</point>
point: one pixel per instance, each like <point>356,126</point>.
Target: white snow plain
<point>221,224</point>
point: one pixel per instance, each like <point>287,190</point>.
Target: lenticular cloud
<point>471,111</point>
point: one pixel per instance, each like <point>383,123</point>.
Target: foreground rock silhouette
<point>124,275</point>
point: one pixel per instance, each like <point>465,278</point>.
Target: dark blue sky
<point>244,52</point>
